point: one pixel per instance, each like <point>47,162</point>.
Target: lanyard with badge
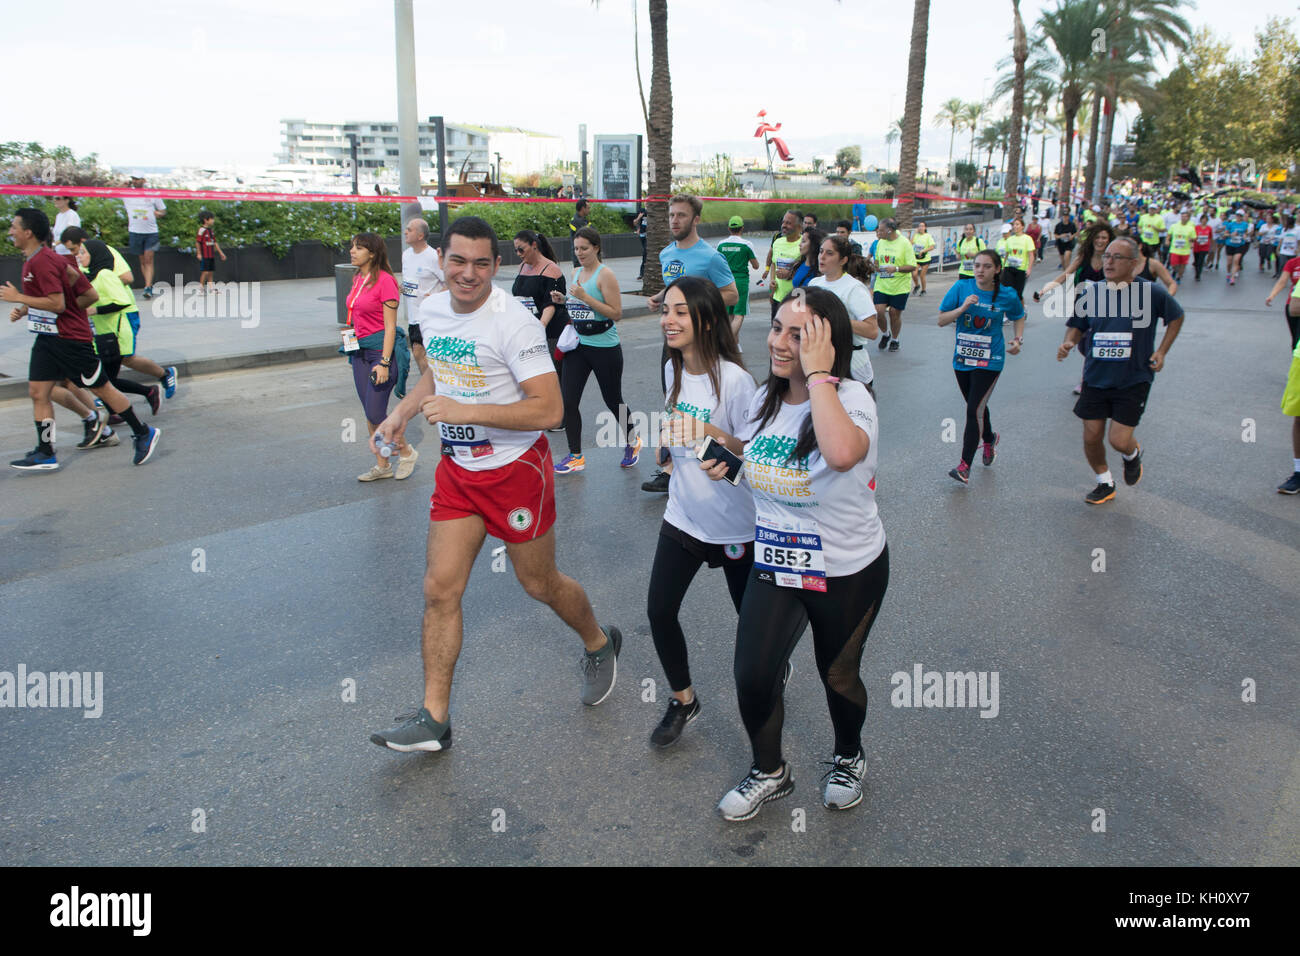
<point>350,343</point>
<point>42,322</point>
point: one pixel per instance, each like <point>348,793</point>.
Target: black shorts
<point>413,334</point>
<point>54,359</point>
<point>714,555</point>
<point>1063,246</point>
<point>898,302</point>
<point>208,264</point>
<point>1122,405</point>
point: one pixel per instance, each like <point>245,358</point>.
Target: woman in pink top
<point>370,344</point>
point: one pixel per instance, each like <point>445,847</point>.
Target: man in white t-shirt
<point>421,278</point>
<point>491,389</point>
<point>142,217</point>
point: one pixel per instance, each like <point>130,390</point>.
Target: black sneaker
<point>883,343</point>
<point>1291,486</point>
<point>658,482</point>
<point>1133,469</point>
<point>415,731</point>
<point>145,444</point>
<point>93,430</point>
<point>36,460</point>
<point>675,721</point>
<point>893,345</point>
<point>1100,494</point>
<point>154,398</point>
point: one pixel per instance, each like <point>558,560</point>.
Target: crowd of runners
<point>773,482</point>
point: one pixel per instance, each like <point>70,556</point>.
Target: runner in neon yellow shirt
<point>1182,235</point>
<point>922,243</point>
<point>969,245</point>
<point>1018,259</point>
<point>894,260</point>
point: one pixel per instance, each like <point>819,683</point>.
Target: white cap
<point>1006,228</point>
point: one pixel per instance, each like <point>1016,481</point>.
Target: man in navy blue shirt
<point>686,255</point>
<point>1119,317</point>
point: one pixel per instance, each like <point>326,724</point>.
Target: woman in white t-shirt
<point>836,260</point>
<point>709,393</point>
<point>66,218</point>
<point>819,548</point>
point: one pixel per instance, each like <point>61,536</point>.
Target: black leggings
<point>772,619</point>
<point>1198,261</point>
<point>1016,279</point>
<point>976,387</point>
<point>1292,321</point>
<point>671,575</point>
<point>111,369</point>
<point>578,364</point>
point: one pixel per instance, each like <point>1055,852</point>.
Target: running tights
<point>112,370</point>
<point>578,365</point>
<point>1016,279</point>
<point>1198,260</point>
<point>772,619</point>
<point>1292,321</point>
<point>671,575</point>
<point>976,387</point>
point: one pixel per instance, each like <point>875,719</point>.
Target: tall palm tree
<point>659,135</point>
<point>1020,52</point>
<point>989,138</point>
<point>1043,95</point>
<point>1135,30</point>
<point>895,133</point>
<point>951,114</point>
<point>1068,29</point>
<point>911,146</point>
<point>1094,128</point>
<point>971,121</point>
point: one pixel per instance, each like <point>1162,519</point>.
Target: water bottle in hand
<point>387,449</point>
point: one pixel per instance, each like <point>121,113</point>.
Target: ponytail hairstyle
<point>592,236</point>
<point>854,264</point>
<point>715,343</point>
<point>538,240</point>
<point>826,304</point>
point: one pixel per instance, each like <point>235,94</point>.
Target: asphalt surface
<point>224,688</point>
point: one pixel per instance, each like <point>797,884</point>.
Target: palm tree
<point>1042,95</point>
<point>971,121</point>
<point>952,113</point>
<point>988,139</point>
<point>892,137</point>
<point>1020,52</point>
<point>911,145</point>
<point>1135,30</point>
<point>1068,29</point>
<point>659,134</point>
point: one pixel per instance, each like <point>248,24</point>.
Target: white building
<point>470,149</point>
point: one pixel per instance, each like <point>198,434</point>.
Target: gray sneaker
<point>755,790</point>
<point>416,731</point>
<point>600,668</point>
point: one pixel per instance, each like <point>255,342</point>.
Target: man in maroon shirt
<point>53,299</point>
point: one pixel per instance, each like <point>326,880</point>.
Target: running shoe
<point>1133,469</point>
<point>108,439</point>
<point>146,444</point>
<point>1291,486</point>
<point>675,721</point>
<point>844,784</point>
<point>961,473</point>
<point>658,482</point>
<point>94,429</point>
<point>169,383</point>
<point>406,465</point>
<point>417,731</point>
<point>893,345</point>
<point>154,398</point>
<point>600,668</point>
<point>991,449</point>
<point>36,460</point>
<point>755,790</point>
<point>376,472</point>
<point>1100,494</point>
<point>631,454</point>
<point>1078,389</point>
<point>570,463</point>
<point>148,292</point>
<point>883,343</point>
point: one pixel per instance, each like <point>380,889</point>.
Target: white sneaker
<point>375,473</point>
<point>407,465</point>
<point>755,790</point>
<point>844,783</point>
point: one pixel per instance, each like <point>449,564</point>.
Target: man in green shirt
<point>1150,225</point>
<point>784,258</point>
<point>895,262</point>
<point>740,258</point>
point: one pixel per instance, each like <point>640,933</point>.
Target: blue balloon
<point>871,222</point>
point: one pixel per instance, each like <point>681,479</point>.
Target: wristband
<point>822,381</point>
<point>820,371</point>
<point>385,362</point>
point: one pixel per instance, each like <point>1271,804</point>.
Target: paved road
<point>223,689</point>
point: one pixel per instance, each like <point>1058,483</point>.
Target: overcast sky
<point>207,84</point>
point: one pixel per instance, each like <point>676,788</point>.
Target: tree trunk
<point>1063,192</point>
<point>1090,169</point>
<point>659,137</point>
<point>911,139</point>
<point>1042,161</point>
<point>1107,131</point>
<point>1020,52</point>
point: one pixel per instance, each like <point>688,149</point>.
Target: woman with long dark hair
<point>376,347</point>
<point>979,306</point>
<point>538,277</point>
<point>706,522</point>
<point>810,244</point>
<point>839,267</point>
<point>594,306</point>
<point>819,547</point>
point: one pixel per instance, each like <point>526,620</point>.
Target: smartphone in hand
<point>713,450</point>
